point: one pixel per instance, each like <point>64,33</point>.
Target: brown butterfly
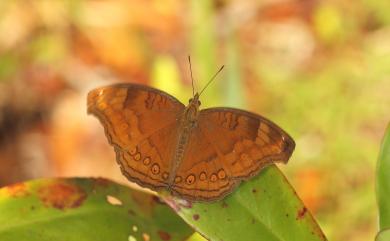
<point>198,155</point>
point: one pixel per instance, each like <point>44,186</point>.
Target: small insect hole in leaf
<point>135,228</point>
<point>132,238</point>
<point>113,200</point>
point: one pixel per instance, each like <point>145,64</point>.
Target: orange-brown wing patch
<point>202,174</point>
<point>147,163</point>
<point>247,142</point>
<point>140,122</point>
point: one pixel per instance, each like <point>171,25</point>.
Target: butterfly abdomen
<point>187,125</point>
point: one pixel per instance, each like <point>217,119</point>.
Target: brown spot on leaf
<point>102,182</point>
<point>301,213</point>
<point>61,195</point>
<point>131,212</point>
<point>17,190</point>
<point>146,237</point>
<point>195,217</point>
<point>254,190</point>
<point>158,200</point>
<point>164,235</point>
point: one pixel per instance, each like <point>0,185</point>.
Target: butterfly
<point>197,155</point>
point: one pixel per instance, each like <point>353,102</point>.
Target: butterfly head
<point>194,101</point>
<point>193,108</point>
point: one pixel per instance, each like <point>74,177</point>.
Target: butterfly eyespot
<point>221,174</point>
<point>137,156</point>
<point>213,177</point>
<point>190,179</point>
<point>147,161</point>
<point>178,179</point>
<point>202,176</point>
<point>155,169</point>
<point>133,151</point>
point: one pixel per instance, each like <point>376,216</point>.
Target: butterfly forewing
<point>141,123</point>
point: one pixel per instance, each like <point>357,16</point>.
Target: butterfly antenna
<point>192,79</point>
<point>211,80</point>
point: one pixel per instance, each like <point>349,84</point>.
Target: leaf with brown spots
<point>17,190</point>
<point>266,207</point>
<point>84,209</point>
<point>61,195</point>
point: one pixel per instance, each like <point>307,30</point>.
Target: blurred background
<point>319,69</point>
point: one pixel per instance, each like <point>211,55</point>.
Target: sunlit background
<point>320,69</point>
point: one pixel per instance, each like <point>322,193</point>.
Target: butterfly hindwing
<point>147,163</point>
<point>202,175</point>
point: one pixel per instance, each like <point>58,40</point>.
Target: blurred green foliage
<point>383,183</point>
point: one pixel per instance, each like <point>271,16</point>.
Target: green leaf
<point>383,182</point>
<point>263,208</point>
<point>84,209</point>
<point>383,235</point>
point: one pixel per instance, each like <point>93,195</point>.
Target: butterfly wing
<point>141,123</point>
<point>227,146</point>
<point>201,175</point>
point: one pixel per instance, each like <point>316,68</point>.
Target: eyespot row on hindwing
<point>191,178</point>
